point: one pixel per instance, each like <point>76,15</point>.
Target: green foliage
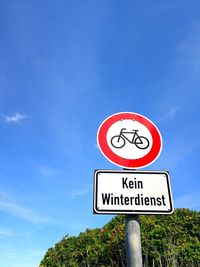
<point>167,240</point>
<point>171,240</point>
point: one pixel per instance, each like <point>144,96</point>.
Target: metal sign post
<point>133,241</point>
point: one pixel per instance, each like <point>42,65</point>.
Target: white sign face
<point>132,192</point>
<point>128,137</point>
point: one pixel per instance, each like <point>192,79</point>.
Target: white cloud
<point>189,200</point>
<point>48,171</point>
<point>6,232</point>
<point>169,115</point>
<point>20,256</point>
<point>11,206</point>
<point>81,192</point>
<point>16,118</point>
<point>189,50</point>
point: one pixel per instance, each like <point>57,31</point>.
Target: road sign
<point>129,140</point>
<point>132,192</point>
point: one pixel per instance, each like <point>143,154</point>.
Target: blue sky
<point>64,67</point>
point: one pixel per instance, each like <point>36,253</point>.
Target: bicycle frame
<point>134,132</point>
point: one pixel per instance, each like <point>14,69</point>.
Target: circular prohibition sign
<point>129,140</point>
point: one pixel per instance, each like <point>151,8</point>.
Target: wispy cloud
<point>189,200</point>
<point>48,171</point>
<point>20,256</point>
<point>5,232</point>
<point>15,118</point>
<point>11,206</point>
<point>169,115</point>
<point>81,192</point>
<point>189,50</point>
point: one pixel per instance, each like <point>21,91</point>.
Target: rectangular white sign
<point>132,192</point>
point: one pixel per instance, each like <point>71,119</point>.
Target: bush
<point>167,240</point>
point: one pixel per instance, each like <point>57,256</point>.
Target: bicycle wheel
<point>117,141</point>
<point>141,142</point>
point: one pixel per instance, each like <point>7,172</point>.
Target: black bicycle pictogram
<point>119,141</point>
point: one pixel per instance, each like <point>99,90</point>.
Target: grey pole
<point>133,241</point>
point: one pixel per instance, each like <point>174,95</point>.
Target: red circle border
<point>123,162</point>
